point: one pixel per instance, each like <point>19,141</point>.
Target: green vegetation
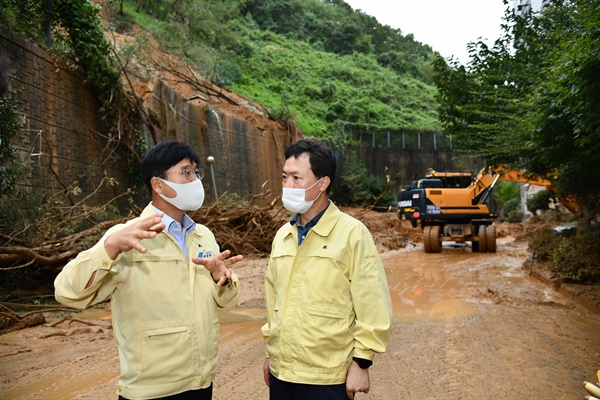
<point>90,49</point>
<point>532,100</point>
<point>356,187</point>
<point>318,64</point>
<point>508,200</point>
<point>10,127</point>
<point>323,89</point>
<point>573,257</point>
<point>512,211</point>
<point>540,201</point>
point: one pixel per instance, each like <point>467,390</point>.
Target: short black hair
<point>320,156</point>
<point>162,157</point>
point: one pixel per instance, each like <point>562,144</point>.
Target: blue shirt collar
<point>188,223</point>
<point>303,230</point>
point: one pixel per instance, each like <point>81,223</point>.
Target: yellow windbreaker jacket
<point>327,300</point>
<point>164,310</point>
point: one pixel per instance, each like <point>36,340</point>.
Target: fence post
<point>403,140</point>
<point>373,138</point>
<point>389,143</point>
<point>419,140</point>
<point>434,141</point>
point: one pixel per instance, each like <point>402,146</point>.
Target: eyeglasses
<point>189,173</point>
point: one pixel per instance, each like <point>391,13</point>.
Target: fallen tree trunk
<point>53,252</point>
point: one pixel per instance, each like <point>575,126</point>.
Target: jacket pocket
<point>213,339</point>
<point>166,351</point>
<point>326,336</point>
<point>328,311</point>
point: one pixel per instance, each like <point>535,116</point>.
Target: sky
<point>446,25</point>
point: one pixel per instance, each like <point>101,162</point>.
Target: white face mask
<point>188,196</point>
<point>293,199</point>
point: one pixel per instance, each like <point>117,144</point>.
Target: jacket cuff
<point>363,363</point>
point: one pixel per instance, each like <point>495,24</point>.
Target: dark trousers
<point>200,394</point>
<point>280,390</point>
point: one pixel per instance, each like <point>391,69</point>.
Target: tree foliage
<point>532,100</point>
<point>90,49</point>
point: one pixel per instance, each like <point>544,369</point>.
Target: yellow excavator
<point>452,206</point>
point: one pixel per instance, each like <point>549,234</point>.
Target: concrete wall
<point>404,164</point>
<point>246,154</point>
<point>61,141</point>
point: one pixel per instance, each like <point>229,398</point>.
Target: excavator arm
<point>512,175</point>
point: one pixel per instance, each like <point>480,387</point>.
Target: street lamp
<point>210,160</point>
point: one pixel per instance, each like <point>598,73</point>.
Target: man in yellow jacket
<point>166,277</point>
<point>328,303</point>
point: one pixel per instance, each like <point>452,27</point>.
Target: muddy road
<point>466,326</point>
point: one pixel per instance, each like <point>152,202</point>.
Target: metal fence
<point>406,139</point>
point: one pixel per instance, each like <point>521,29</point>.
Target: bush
<point>578,258</point>
<point>540,201</point>
<point>515,216</point>
<point>511,205</point>
<point>544,242</point>
<point>572,257</point>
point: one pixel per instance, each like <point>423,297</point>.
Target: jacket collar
<point>148,211</point>
<point>326,223</point>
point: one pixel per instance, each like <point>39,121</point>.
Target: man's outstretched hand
<point>218,266</point>
<point>131,237</point>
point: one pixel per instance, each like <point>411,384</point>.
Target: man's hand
<point>131,237</point>
<point>267,372</point>
<point>218,266</point>
<point>357,380</point>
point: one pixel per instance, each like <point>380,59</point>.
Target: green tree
<point>565,117</point>
<point>532,100</point>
